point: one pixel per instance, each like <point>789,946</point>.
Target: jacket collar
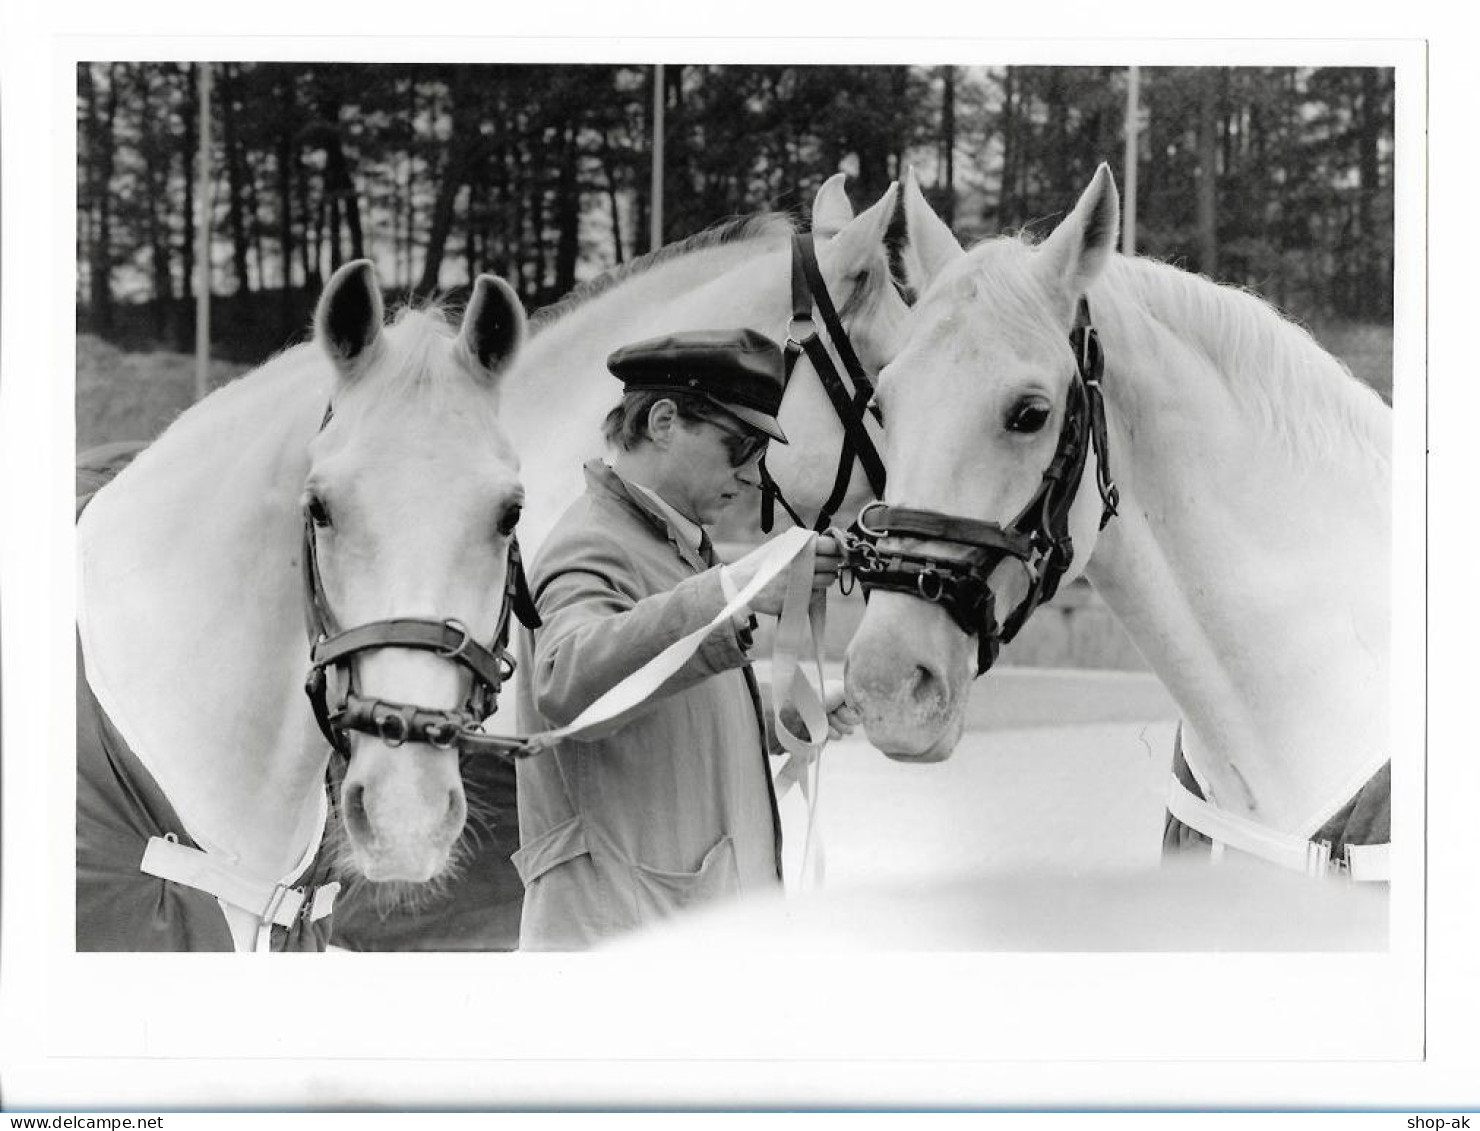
<point>602,479</point>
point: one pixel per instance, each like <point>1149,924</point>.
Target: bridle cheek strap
<point>809,290</point>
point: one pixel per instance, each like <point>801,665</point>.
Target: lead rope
<point>799,637</point>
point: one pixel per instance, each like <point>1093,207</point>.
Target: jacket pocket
<point>550,849</point>
<point>658,893</point>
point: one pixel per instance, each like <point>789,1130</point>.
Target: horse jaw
<point>908,674</point>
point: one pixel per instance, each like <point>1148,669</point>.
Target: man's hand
<point>825,566</point>
<point>841,718</point>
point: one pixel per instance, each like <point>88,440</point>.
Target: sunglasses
<point>742,447</point>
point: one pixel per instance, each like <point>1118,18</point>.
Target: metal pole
<point>1132,130</point>
<point>657,212</point>
<point>203,242</point>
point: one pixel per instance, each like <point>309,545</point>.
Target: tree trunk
<point>287,156</point>
<point>189,121</point>
<point>568,213</point>
<point>948,144</point>
<point>1006,196</point>
<point>312,213</point>
<point>609,171</point>
<point>87,192</point>
<point>461,150</point>
<point>156,207</point>
<point>235,216</point>
<point>1207,174</point>
<point>1373,268</point>
<point>102,251</point>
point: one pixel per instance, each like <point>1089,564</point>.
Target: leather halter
<point>808,290</point>
<point>400,723</point>
<point>1038,537</point>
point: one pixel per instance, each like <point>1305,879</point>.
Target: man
<point>675,806</point>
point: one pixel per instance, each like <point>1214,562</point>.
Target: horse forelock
<point>744,229</point>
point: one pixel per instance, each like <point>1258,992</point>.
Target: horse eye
<point>1028,416</point>
<point>510,520</point>
<point>318,512</point>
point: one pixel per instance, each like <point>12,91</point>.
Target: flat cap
<point>739,370</point>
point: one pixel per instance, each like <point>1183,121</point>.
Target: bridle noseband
<point>808,290</point>
<point>1038,537</point>
<point>399,723</point>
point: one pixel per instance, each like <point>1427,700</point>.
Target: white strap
<point>1363,862</point>
<point>775,556</point>
<point>800,634</point>
<point>271,903</point>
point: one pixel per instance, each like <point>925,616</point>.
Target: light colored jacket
<point>672,805</point>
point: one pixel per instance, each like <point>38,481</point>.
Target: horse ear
<point>494,324</point>
<point>1079,248</point>
<point>350,313</point>
<point>862,238</point>
<point>832,209</point>
<point>929,246</point>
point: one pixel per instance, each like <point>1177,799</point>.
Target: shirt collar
<point>682,532</point>
<point>686,528</point>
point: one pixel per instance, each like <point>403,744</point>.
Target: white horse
<point>558,390</point>
<point>1249,560</point>
<point>192,622</point>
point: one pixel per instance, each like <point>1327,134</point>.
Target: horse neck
<point>560,389</point>
<point>191,613</point>
<point>1249,563</point>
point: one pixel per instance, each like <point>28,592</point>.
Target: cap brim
<point>756,419</point>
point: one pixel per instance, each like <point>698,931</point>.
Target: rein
<point>1038,536</point>
<point>400,723</point>
<point>808,290</point>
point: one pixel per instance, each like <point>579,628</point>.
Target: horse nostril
<point>457,810</point>
<point>925,686</point>
<point>356,818</point>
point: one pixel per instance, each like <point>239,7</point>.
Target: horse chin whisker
<point>389,897</point>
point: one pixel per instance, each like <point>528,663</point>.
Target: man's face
<point>712,463</point>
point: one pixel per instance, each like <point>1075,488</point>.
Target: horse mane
<point>1303,396</point>
<point>738,230</point>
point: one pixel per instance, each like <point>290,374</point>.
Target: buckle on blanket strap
<point>279,904</point>
<point>1359,863</point>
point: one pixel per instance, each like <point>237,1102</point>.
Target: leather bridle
<point>1038,536</point>
<point>397,724</point>
<point>809,291</point>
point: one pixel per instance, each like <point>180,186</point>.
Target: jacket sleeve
<point>597,630</point>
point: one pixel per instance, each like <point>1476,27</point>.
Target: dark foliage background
<point>1278,179</point>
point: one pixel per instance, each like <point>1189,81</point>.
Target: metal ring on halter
<point>402,729</point>
<point>863,527</point>
<point>467,638</point>
<point>791,336</point>
<point>935,590</point>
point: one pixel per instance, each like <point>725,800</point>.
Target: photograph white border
<point>519,1030</point>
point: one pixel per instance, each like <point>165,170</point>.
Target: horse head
<point>975,405</point>
<point>410,503</point>
<point>871,264</point>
